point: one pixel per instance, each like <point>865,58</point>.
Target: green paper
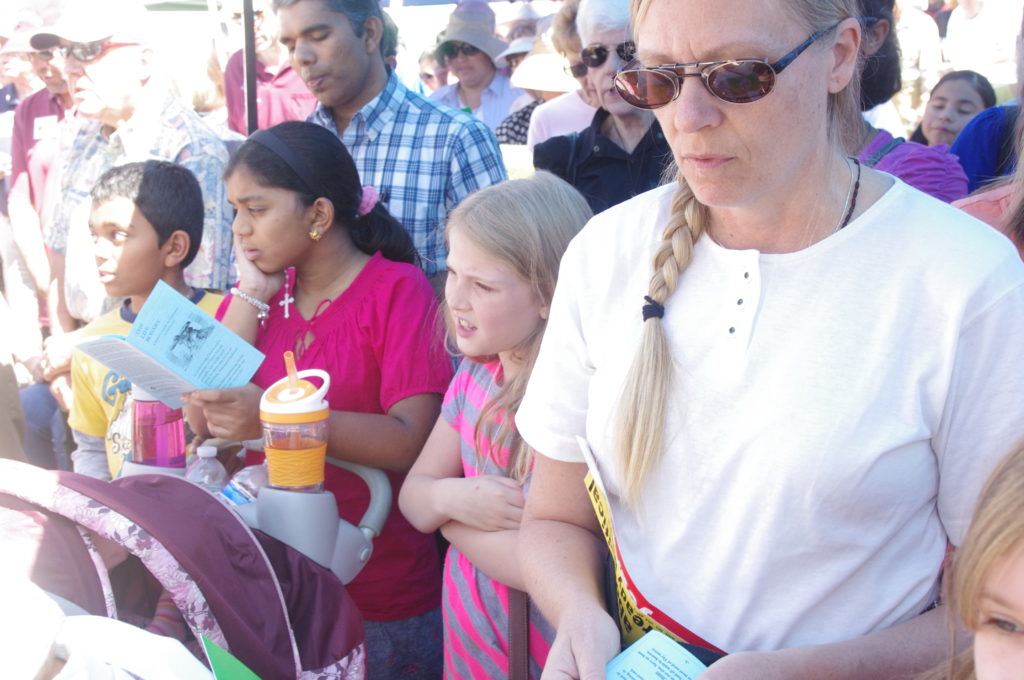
<point>224,665</point>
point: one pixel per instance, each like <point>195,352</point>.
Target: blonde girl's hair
<point>527,225</point>
<point>639,423</point>
<point>1015,216</point>
<point>996,532</point>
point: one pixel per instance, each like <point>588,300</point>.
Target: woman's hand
<point>253,280</point>
<point>485,502</point>
<point>230,413</point>
<point>742,665</point>
<point>587,639</point>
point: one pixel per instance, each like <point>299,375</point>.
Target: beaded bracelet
<point>262,308</point>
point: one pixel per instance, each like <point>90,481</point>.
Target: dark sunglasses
<point>596,54</point>
<point>88,51</point>
<point>576,70</point>
<point>737,81</point>
<point>450,50</point>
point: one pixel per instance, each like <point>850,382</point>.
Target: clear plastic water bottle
<point>245,486</point>
<point>158,432</point>
<point>207,471</point>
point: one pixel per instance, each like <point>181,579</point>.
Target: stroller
<point>277,611</point>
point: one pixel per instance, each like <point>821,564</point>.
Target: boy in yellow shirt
<point>146,223</point>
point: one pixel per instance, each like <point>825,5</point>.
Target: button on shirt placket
<point>746,293</point>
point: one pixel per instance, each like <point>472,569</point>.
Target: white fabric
<point>986,42</point>
<point>886,117</point>
<point>820,451</point>
<point>35,629</point>
<point>496,101</point>
<point>563,115</point>
<point>98,648</point>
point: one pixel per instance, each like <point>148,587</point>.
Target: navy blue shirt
<point>978,146</point>
<point>599,168</point>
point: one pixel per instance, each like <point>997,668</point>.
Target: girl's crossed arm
<point>435,492</point>
<point>479,515</point>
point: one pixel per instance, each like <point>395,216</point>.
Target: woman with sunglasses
<point>572,111</point>
<point>786,374</point>
<point>623,152</point>
<point>470,51</point>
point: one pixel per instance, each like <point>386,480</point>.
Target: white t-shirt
<point>563,115</point>
<point>834,412</point>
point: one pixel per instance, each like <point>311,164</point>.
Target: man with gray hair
<point>423,157</point>
<point>124,111</point>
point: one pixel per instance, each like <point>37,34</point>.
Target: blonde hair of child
<point>526,224</point>
<point>996,532</point>
<point>640,417</point>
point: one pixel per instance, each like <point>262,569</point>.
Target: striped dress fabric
<point>475,607</point>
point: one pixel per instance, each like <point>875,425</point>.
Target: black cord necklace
<point>853,199</point>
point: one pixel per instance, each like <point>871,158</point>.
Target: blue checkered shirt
<point>423,157</point>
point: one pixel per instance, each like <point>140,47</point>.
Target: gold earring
<point>314,235</point>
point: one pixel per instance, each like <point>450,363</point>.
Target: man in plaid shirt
<point>423,157</point>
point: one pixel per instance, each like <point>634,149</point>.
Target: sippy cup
<point>293,412</point>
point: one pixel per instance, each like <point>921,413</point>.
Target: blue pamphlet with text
<point>655,656</point>
<point>175,347</point>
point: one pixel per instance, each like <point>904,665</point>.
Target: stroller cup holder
<point>309,522</point>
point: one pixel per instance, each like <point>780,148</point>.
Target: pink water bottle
<point>158,432</point>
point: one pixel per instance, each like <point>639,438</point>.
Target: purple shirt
<point>932,169</point>
<point>280,96</point>
<point>34,145</point>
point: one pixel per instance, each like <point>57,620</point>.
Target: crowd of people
<point>731,359</point>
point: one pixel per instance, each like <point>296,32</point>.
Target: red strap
<point>646,607</point>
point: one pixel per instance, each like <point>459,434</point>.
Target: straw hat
<point>473,23</point>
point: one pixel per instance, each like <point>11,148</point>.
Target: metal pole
<point>248,26</point>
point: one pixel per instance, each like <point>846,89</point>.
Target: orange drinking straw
<point>293,382</point>
<point>289,365</point>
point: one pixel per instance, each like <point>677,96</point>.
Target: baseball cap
<point>86,21</point>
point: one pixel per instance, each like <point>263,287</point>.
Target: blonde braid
<point>639,430</point>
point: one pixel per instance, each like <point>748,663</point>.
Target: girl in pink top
<point>505,243</point>
<point>326,272</point>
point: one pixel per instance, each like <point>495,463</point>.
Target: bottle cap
<point>207,451</point>
<point>299,401</point>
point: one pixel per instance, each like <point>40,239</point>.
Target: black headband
<point>271,141</point>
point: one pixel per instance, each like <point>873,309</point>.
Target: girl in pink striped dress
<point>470,481</point>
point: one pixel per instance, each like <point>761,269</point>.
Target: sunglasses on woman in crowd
<point>452,49</point>
<point>737,81</point>
<point>576,70</point>
<point>596,54</point>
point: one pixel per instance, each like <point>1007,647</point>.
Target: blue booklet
<point>174,347</point>
<point>655,656</point>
